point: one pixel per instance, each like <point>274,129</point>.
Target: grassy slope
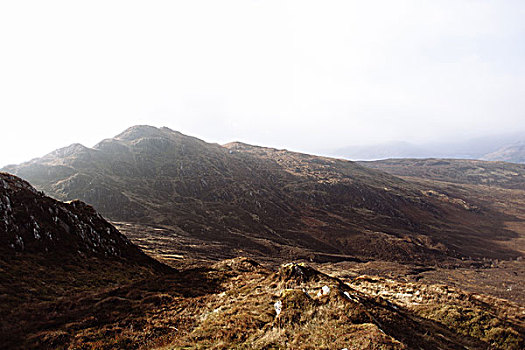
<point>232,305</point>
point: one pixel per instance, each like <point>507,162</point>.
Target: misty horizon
<point>472,148</point>
<point>303,76</point>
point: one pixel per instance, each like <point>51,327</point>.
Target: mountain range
<point>508,148</point>
<point>242,199</point>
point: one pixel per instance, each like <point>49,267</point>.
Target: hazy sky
<point>303,75</point>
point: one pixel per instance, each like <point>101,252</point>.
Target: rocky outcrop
<point>34,223</point>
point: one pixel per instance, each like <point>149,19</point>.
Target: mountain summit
<point>242,199</point>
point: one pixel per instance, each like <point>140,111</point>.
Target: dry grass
<point>497,322</point>
<point>231,305</point>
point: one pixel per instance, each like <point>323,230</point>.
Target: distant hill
<point>381,151</point>
<point>476,148</point>
<point>242,199</point>
<point>514,153</point>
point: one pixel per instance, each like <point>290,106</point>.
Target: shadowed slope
<point>52,251</point>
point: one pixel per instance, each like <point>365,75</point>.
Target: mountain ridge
<point>264,201</point>
<point>201,202</point>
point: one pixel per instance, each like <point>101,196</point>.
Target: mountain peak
<point>159,176</point>
<point>141,131</point>
<point>74,148</point>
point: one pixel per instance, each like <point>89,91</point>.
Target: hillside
<point>71,280</point>
<point>220,202</point>
<point>240,304</point>
<point>461,171</point>
<point>499,187</point>
<point>52,250</point>
<point>35,223</point>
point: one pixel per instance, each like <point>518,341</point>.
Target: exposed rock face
<point>32,222</point>
<point>54,253</point>
<point>260,201</point>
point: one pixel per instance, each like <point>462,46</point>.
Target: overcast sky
<point>302,75</point>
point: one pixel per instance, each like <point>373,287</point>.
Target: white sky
<point>303,75</point>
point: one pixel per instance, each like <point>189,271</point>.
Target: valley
<point>262,175</point>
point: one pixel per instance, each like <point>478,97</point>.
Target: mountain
<point>212,201</point>
<point>514,153</point>
<point>51,250</point>
<point>70,280</point>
